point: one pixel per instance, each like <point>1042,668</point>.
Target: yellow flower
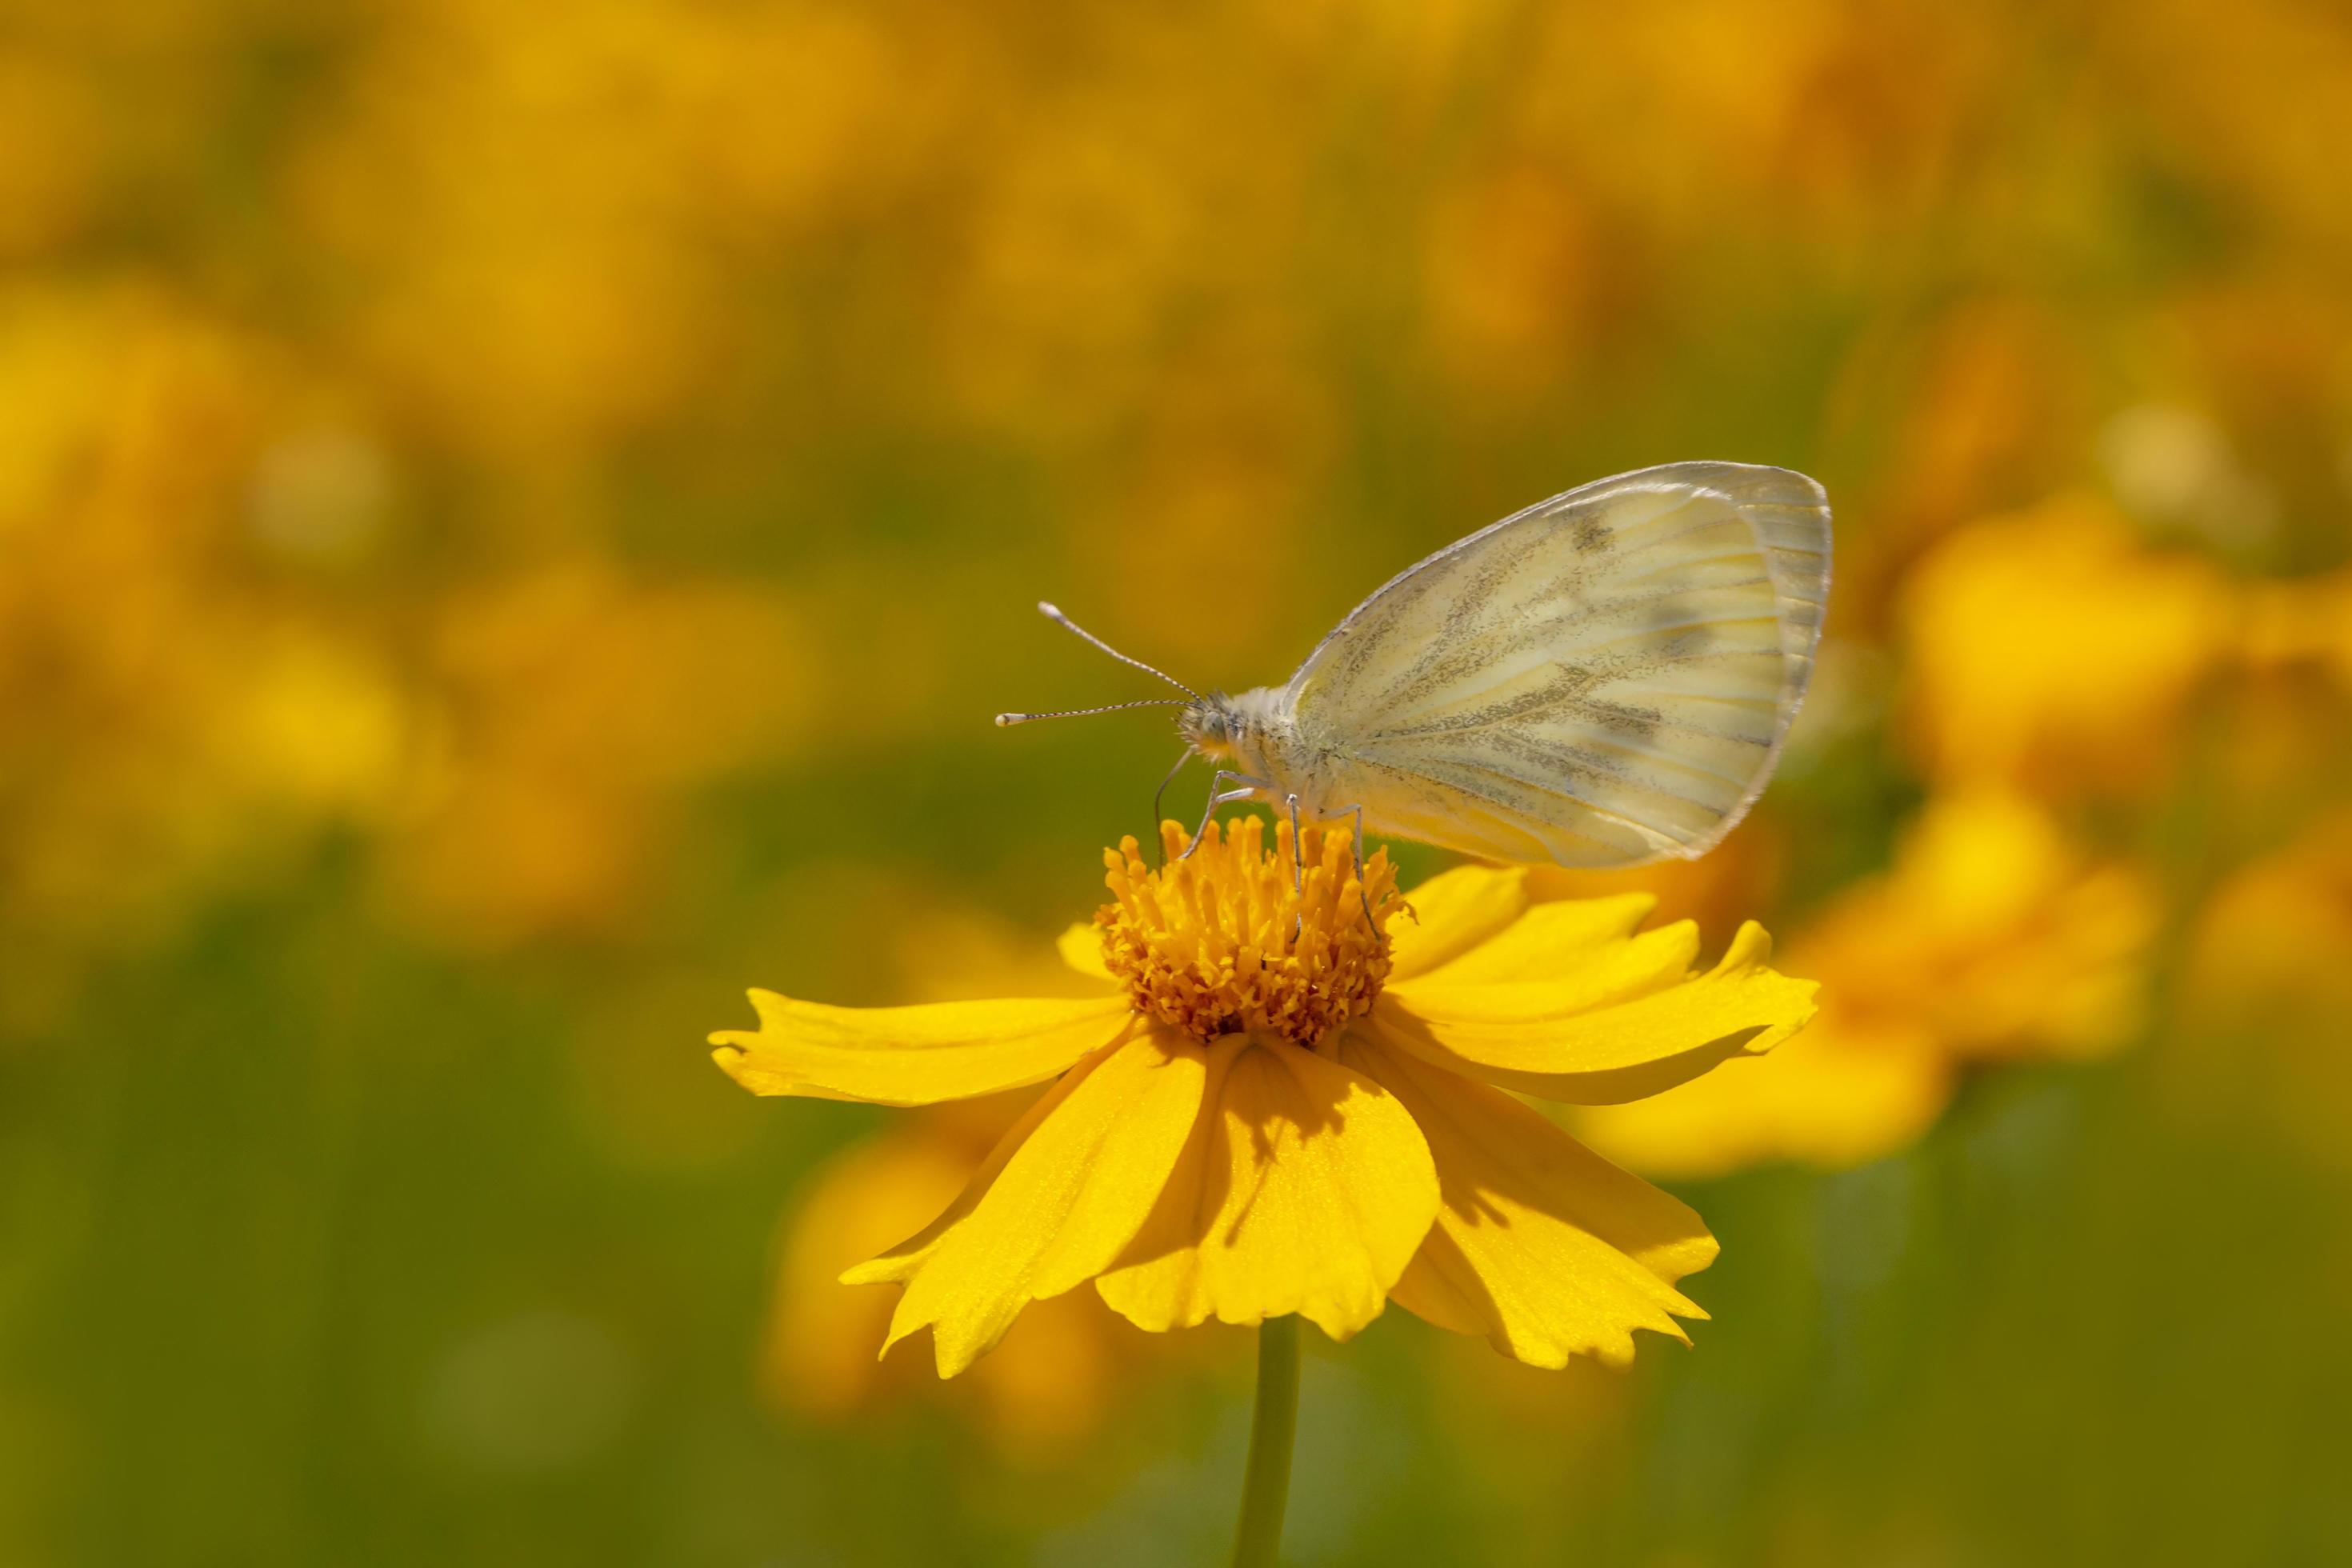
<point>1280,1106</point>
<point>1992,937</point>
<point>2053,650</point>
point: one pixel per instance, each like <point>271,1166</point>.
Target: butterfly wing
<point>1603,679</point>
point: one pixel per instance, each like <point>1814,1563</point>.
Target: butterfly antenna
<point>1004,720</point>
<point>1054,615</point>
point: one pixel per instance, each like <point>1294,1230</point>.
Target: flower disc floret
<point>1226,940</point>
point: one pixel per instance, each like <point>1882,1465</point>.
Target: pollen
<point>1226,942</point>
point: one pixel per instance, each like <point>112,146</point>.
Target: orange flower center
<point>1226,942</point>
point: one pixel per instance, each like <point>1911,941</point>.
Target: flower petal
<point>1454,914</point>
<point>1305,1188</point>
<point>1081,947</point>
<point>1059,1198</point>
<point>912,1055</point>
<point>1593,1050</point>
<point>1541,1245</point>
<point>1538,944</point>
<point>1620,969</point>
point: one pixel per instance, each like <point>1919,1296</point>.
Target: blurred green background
<point>514,520</point>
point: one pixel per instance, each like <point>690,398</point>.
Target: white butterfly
<point>1602,679</point>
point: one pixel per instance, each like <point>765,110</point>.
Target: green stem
<point>1266,1489</point>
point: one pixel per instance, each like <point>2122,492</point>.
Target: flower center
<point>1222,941</point>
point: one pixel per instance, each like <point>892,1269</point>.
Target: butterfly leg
<point>1297,867</point>
<point>1362,890</point>
<point>1220,796</point>
<point>1158,845</point>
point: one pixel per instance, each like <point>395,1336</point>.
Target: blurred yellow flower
<point>2281,929</point>
<point>2302,621</point>
<point>2000,935</point>
<point>2265,990</point>
<point>576,705</point>
<point>2052,649</point>
<point>1285,1108</point>
<point>174,717</point>
<point>1991,938</point>
<point>49,121</point>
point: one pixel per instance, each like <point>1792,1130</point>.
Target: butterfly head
<point>1210,726</point>
<point>1230,728</point>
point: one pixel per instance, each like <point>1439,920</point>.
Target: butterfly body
<point>1603,679</point>
<point>1250,730</point>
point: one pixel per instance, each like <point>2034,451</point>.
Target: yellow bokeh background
<point>514,520</point>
